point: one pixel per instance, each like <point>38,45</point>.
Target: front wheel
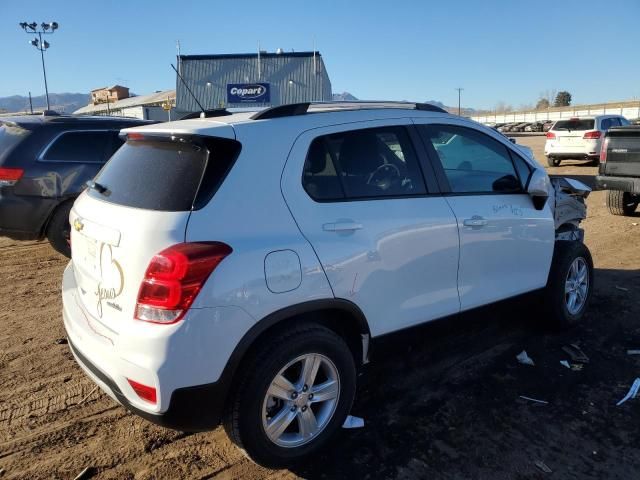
<point>293,395</point>
<point>553,161</point>
<point>570,284</point>
<point>621,203</point>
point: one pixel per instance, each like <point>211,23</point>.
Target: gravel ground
<point>441,401</point>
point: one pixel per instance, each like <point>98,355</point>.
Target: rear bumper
<point>191,409</point>
<point>624,184</point>
<point>587,149</point>
<point>184,362</point>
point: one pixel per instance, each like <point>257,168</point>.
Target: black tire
<point>243,417</point>
<point>621,203</point>
<point>59,229</point>
<point>557,313</point>
<point>553,161</point>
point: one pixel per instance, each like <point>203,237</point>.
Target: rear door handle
<point>475,221</point>
<point>342,227</point>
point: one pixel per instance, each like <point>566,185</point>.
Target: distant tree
<point>543,104</point>
<point>563,99</point>
<point>502,107</point>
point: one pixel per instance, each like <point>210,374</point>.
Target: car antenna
<point>203,113</point>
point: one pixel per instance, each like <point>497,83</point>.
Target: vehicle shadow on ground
<point>443,400</point>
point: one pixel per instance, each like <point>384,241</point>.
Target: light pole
<point>459,91</point>
<point>42,45</point>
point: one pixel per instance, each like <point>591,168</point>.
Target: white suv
<point>236,268</point>
<point>578,137</point>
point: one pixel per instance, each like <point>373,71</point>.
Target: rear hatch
<point>622,145</point>
<point>11,135</point>
<point>138,205</point>
<point>570,133</point>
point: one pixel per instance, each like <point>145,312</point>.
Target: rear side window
<point>11,134</point>
<point>472,161</point>
<point>159,174</point>
<point>85,147</point>
<point>363,164</point>
<point>574,124</point>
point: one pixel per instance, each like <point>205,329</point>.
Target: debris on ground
<point>622,288</point>
<point>576,353</point>
<point>633,352</point>
<point>564,363</point>
<point>534,400</point>
<point>353,422</point>
<point>84,474</point>
<point>61,341</point>
<point>525,359</point>
<point>633,391</point>
<point>542,466</point>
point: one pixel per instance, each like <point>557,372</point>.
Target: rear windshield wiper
<point>97,187</point>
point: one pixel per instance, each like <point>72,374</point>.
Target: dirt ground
<point>440,402</point>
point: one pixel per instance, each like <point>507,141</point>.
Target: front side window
<point>362,164</point>
<point>472,161</point>
<point>86,147</point>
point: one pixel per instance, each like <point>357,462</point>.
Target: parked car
<point>578,137</point>
<point>546,126</point>
<point>619,170</point>
<point>534,127</point>
<point>44,164</point>
<point>506,127</point>
<point>189,300</point>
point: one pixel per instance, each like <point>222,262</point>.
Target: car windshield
<point>574,124</point>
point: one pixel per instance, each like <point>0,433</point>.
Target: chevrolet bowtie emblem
<point>78,225</point>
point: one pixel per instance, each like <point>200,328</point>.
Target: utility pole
<point>30,104</point>
<point>42,45</point>
<point>459,92</point>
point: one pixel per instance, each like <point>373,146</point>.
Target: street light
<point>42,45</point>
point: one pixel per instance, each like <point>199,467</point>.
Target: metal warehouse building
<point>251,80</point>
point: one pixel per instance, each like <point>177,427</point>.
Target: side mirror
<point>539,188</point>
<point>512,140</point>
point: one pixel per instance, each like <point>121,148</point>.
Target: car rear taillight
<point>551,135</point>
<point>143,391</point>
<point>592,135</point>
<point>174,278</point>
<point>603,150</point>
<point>9,176</point>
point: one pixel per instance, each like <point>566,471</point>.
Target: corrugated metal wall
<point>275,69</point>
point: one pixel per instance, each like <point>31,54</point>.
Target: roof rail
<point>293,109</point>
<point>215,112</point>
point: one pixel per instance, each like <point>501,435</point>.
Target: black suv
<point>44,164</point>
<point>619,170</point>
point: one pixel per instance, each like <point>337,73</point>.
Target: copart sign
<point>248,93</point>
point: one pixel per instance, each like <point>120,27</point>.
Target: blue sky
<point>498,51</point>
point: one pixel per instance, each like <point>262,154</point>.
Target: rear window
<point>166,175</point>
<point>11,134</point>
<point>81,146</point>
<point>577,124</point>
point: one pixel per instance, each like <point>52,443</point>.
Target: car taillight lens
<point>603,150</point>
<point>143,391</point>
<point>592,135</point>
<point>174,278</point>
<point>9,176</point>
<point>551,135</point>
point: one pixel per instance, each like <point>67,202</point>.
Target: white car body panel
<point>388,267</point>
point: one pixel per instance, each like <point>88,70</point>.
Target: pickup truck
<point>619,170</point>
